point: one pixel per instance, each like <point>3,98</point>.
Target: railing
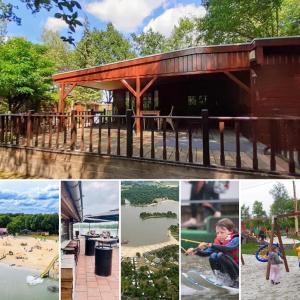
<point>260,144</point>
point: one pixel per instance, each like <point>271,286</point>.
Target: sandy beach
<point>33,254</point>
<point>128,251</point>
<point>255,285</point>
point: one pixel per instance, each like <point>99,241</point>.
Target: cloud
<point>37,199</point>
<point>166,21</point>
<point>100,196</point>
<point>55,24</point>
<point>126,16</point>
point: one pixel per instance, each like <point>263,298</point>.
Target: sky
<point>29,197</point>
<point>99,196</point>
<point>252,190</point>
<point>127,16</point>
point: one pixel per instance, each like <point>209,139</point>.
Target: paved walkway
<point>93,287</point>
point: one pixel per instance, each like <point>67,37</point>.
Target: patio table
<point>103,241</point>
<point>149,113</point>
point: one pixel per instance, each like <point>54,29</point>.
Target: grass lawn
<point>251,248</point>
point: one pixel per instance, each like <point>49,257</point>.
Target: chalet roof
<point>195,60</point>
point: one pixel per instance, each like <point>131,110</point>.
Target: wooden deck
<point>109,146</point>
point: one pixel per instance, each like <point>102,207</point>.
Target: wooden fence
<point>115,135</point>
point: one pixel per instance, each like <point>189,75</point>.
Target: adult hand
<point>217,214</point>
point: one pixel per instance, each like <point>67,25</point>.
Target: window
<point>147,101</point>
<point>197,100</point>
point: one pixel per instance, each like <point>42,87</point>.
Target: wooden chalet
<point>259,78</point>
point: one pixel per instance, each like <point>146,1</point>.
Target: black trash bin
<point>103,261</point>
<point>89,247</point>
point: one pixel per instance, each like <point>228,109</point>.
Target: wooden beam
<point>138,105</point>
<point>129,87</point>
<point>270,245</point>
<point>67,93</point>
<point>63,94</point>
<point>238,81</point>
<point>148,85</point>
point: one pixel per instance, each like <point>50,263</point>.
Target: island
<point>169,214</point>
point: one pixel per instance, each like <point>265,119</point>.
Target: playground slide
<point>46,272</point>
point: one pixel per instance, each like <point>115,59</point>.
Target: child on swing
<point>275,262</point>
<point>223,252</point>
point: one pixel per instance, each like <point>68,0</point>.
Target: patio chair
<point>170,120</point>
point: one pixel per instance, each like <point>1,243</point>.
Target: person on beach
<point>223,252</point>
<point>275,265</point>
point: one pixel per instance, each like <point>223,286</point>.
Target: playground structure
<point>275,230</point>
<point>45,273</point>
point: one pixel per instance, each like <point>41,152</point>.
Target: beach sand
<point>43,251</point>
<point>128,251</point>
<point>255,285</point>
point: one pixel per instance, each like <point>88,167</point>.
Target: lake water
<point>13,285</point>
<point>150,231</point>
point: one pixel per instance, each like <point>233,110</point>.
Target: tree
<point>245,214</point>
<point>58,51</point>
<point>99,47</point>
<point>66,10</point>
<point>4,220</point>
<point>25,75</point>
<point>257,209</point>
<point>3,31</point>
<point>229,21</point>
<point>282,202</point>
<point>185,35</point>
<point>149,42</point>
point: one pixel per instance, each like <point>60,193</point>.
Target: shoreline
<point>130,251</point>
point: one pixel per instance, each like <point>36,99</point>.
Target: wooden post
<point>29,129</point>
<point>295,209</point>
<point>129,124</point>
<point>73,130</point>
<point>222,154</point>
<point>273,133</point>
<point>138,105</point>
<point>61,105</point>
<point>205,137</point>
<point>270,245</point>
<point>281,247</point>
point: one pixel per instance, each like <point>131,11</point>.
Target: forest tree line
<point>15,223</point>
<point>138,194</point>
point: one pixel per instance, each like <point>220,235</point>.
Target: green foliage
<point>185,35</point>
<point>66,10</point>
<point>231,21</point>
<point>144,193</point>
<point>257,209</point>
<point>169,214</point>
<point>18,222</point>
<point>245,214</point>
<point>282,202</point>
<point>58,51</point>
<point>149,42</point>
<point>25,75</point>
<point>99,47</point>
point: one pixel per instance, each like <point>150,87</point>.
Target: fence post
<point>73,130</point>
<point>29,129</point>
<point>129,125</point>
<point>205,137</point>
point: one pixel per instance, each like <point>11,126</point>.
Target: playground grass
<point>251,248</point>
